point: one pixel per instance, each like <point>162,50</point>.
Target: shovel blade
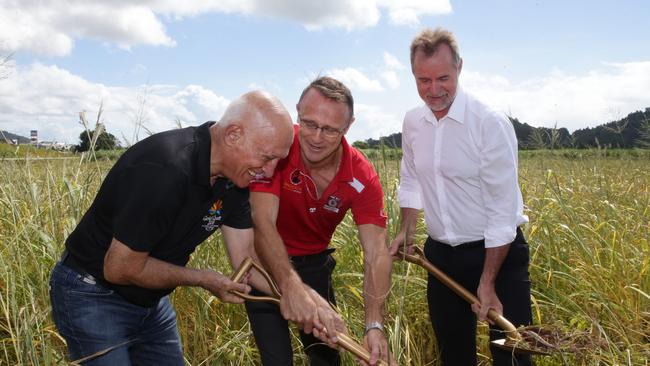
<point>523,348</point>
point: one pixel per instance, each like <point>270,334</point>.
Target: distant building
<point>54,145</point>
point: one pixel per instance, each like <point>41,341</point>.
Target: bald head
<point>257,109</point>
<point>254,130</point>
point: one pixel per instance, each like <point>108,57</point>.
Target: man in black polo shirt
<point>161,199</point>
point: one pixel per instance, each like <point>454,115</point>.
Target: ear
<point>234,135</point>
<point>460,65</point>
<point>349,124</point>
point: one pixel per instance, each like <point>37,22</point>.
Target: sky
<point>160,63</point>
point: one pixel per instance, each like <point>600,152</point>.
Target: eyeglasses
<point>327,131</point>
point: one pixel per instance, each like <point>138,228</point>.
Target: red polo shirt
<point>305,223</point>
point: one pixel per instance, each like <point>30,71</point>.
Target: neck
<point>216,155</point>
<point>440,114</point>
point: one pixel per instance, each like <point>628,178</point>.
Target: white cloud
<point>408,12</point>
<point>390,68</point>
<point>571,101</point>
<point>392,62</point>
<point>48,99</point>
<point>372,121</point>
<point>391,79</point>
<point>355,80</point>
<point>51,26</point>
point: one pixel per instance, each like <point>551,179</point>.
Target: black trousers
<point>452,318</point>
<point>271,330</point>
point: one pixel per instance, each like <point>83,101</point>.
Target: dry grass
<point>589,237</point>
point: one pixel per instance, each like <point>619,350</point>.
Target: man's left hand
<point>489,300</point>
<point>375,342</point>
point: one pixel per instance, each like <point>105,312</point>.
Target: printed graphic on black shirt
<point>213,219</point>
<point>333,204</point>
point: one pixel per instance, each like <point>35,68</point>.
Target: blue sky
<point>572,63</point>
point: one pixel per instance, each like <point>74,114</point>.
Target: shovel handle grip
<point>498,319</point>
<point>345,341</point>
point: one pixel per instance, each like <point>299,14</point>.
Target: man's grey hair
<point>428,41</point>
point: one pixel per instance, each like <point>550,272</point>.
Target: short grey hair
<point>429,40</point>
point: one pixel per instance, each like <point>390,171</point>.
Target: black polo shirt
<point>157,198</point>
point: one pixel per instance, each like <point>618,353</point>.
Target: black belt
<point>463,246</point>
<point>470,244</point>
<point>311,258</point>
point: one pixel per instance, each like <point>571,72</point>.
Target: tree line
<point>632,131</point>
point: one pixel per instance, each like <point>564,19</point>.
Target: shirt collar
<point>203,148</point>
<point>456,111</point>
<point>345,170</point>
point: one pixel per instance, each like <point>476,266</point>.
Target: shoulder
<point>153,160</point>
<point>174,149</point>
<point>363,172</point>
<point>414,114</point>
<point>485,116</point>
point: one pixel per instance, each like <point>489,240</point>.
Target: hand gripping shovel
<point>514,342</point>
<point>344,340</point>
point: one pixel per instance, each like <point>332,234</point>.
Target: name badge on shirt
<point>333,204</point>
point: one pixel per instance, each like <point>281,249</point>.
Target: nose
<point>318,133</point>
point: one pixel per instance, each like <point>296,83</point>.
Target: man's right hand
<point>304,306</point>
<point>296,305</point>
<point>398,243</point>
<point>221,286</point>
<point>332,320</point>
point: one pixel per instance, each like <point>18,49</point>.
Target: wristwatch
<point>373,325</point>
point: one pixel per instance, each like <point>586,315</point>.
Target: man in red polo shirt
<point>295,214</point>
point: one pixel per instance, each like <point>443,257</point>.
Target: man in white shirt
<point>460,165</point>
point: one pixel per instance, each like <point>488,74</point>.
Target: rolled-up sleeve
<point>498,177</point>
<point>409,191</point>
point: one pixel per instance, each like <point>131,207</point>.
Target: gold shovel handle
<point>345,341</point>
<point>418,258</point>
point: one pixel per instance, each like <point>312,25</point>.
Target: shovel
<point>514,342</point>
<point>344,340</point>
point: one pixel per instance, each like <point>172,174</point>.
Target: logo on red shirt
<point>333,204</point>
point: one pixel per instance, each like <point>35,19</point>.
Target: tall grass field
<point>589,236</point>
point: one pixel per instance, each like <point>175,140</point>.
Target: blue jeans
<point>94,319</point>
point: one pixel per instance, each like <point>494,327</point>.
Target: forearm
<point>239,244</point>
<point>273,255</point>
<point>409,218</point>
<point>494,258</point>
<point>376,285</point>
<point>157,274</point>
<point>377,265</point>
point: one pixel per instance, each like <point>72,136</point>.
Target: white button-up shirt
<point>462,169</point>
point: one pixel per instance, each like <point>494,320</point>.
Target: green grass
<point>589,236</point>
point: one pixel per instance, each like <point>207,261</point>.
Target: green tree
<point>104,141</point>
<point>360,144</point>
<point>643,141</point>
